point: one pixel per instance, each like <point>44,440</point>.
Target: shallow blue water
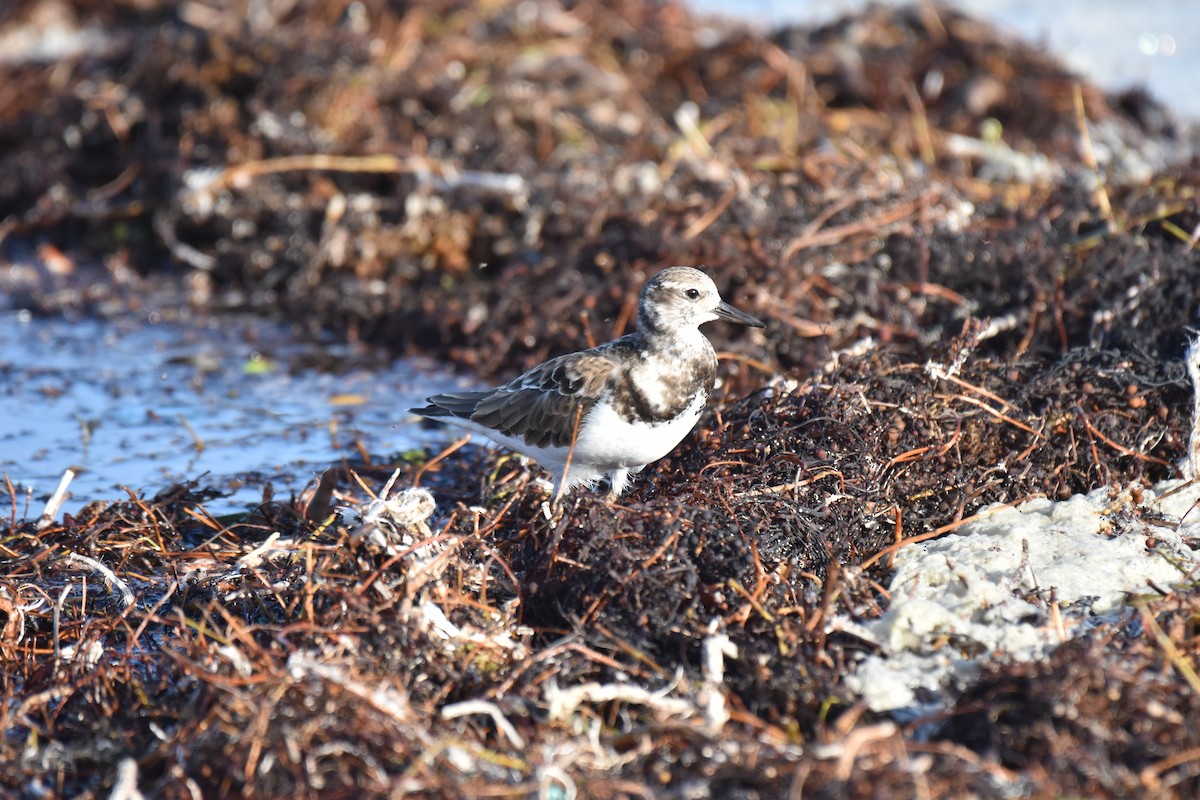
<point>125,404</point>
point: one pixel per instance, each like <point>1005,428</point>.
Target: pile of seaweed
<point>977,272</point>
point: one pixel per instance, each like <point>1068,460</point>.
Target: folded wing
<point>541,407</point>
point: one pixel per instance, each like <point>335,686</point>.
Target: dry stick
<point>978,390</point>
<point>62,598</point>
<point>495,557</point>
<point>150,515</point>
<point>1119,448</point>
<point>1060,324</point>
<point>920,121</point>
<point>928,289</point>
<point>1178,232</point>
<point>803,327</point>
<point>792,69</point>
<point>936,533</point>
<point>417,578</point>
<point>904,458</point>
<point>785,487</point>
<point>629,649</point>
<point>56,500</point>
<point>827,213</point>
<point>952,441</point>
<point>431,462</point>
<point>998,415</point>
<point>628,311</point>
<point>829,592</point>
<point>393,559</point>
<point>12,494</point>
<point>761,366</point>
<point>586,320</point>
<point>961,752</point>
<point>14,629</point>
<point>236,175</point>
<point>363,484</point>
<point>875,225</point>
<point>494,522</point>
<point>759,572</point>
<point>197,442</point>
<point>1089,157</point>
<point>1149,776</point>
<point>532,659</point>
<point>467,707</point>
<point>1056,621</point>
<point>727,463</point>
<point>117,585</point>
<point>711,216</point>
<point>150,616</point>
<point>898,530</point>
<point>599,658</point>
<point>201,515</point>
<point>258,732</point>
<point>751,599</point>
<point>1178,660</point>
<point>562,485</point>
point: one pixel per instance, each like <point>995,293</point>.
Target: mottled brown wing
<point>542,405</point>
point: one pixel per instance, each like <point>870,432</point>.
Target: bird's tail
<point>451,404</point>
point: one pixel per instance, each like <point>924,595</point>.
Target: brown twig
<point>562,485</point>
<point>877,226</point>
<point>436,459</point>
<point>711,216</point>
<point>1089,157</point>
<point>923,537</point>
<point>994,412</point>
<point>1119,448</point>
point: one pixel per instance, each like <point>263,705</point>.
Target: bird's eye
<point>693,294</point>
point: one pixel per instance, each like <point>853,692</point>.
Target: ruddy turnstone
<point>613,409</point>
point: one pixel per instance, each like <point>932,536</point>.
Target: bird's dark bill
<point>726,311</point>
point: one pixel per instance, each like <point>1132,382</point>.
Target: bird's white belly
<point>608,442</point>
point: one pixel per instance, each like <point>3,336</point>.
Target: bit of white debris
<point>125,786</point>
<point>385,697</point>
<point>86,653</point>
<point>272,546</point>
<point>237,659</point>
<point>956,214</point>
<point>51,34</point>
<point>56,500</point>
<point>110,578</point>
<point>467,707</point>
<point>999,163</point>
<point>434,619</point>
<point>642,179</point>
<point>716,648</point>
<point>392,522</point>
<point>562,703</point>
<point>1193,368</point>
<point>994,586</point>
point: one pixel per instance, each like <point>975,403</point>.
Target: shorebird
<point>610,410</point>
